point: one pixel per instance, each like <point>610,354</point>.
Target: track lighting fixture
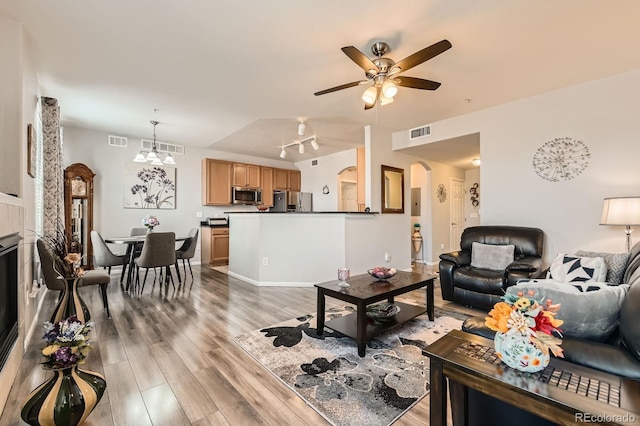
<point>300,144</point>
<point>301,128</point>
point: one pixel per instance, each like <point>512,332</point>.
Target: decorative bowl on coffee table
<point>381,273</point>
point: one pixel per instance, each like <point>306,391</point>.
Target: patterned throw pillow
<point>569,268</point>
<point>616,264</point>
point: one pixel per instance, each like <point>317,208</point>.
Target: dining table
<point>133,242</point>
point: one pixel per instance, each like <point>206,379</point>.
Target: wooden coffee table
<point>564,393</point>
<point>365,290</point>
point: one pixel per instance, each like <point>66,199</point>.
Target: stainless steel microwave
<point>249,196</point>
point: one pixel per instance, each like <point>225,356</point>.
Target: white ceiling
<point>236,75</point>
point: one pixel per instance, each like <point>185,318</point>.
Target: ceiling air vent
<point>163,147</point>
<point>420,132</point>
<point>314,162</point>
<point>120,141</point>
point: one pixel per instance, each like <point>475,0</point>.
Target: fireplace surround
<point>8,294</point>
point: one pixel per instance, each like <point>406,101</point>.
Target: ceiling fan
<point>383,72</point>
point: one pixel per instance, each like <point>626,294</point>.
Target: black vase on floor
<point>71,304</point>
<point>66,399</point>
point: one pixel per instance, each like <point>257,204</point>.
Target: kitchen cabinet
<point>280,179</point>
<point>216,182</point>
<point>246,175</point>
<point>294,178</point>
<point>287,180</point>
<point>266,177</point>
<point>215,246</point>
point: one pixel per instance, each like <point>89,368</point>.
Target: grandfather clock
<point>78,211</point>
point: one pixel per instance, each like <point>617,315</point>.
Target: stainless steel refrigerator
<point>292,201</point>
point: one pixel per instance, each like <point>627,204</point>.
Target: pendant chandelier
<point>153,156</point>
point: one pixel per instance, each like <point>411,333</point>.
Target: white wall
<point>11,153</point>
<point>472,213</point>
<point>325,173</point>
<point>91,147</point>
<point>421,178</point>
<point>602,114</point>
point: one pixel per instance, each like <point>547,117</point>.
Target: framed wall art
<point>149,187</point>
<point>31,150</point>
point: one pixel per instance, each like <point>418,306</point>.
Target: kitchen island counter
<point>305,248</point>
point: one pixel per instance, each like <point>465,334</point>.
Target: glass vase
<point>519,352</point>
<point>66,399</point>
<point>70,303</point>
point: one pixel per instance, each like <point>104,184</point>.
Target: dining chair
<point>103,256</point>
<point>187,251</point>
<point>158,250</point>
<point>52,282</point>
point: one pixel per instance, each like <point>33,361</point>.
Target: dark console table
<point>365,290</point>
<point>563,393</point>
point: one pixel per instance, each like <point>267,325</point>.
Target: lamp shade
<point>621,211</point>
<point>369,96</point>
<point>389,89</point>
<point>140,158</point>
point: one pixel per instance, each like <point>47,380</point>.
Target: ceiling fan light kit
<point>383,72</point>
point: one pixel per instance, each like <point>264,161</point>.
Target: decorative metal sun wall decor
<point>561,159</point>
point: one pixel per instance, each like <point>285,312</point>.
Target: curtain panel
<point>52,172</point>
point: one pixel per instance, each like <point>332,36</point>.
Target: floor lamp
<point>622,211</point>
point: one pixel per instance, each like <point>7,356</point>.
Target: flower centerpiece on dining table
<point>527,331</point>
<point>150,222</point>
<point>70,395</point>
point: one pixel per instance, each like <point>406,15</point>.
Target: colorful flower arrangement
<point>150,221</point>
<point>526,317</point>
<point>67,343</point>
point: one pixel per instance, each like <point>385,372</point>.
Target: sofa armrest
<point>601,356</point>
<point>460,258</point>
<point>522,269</point>
<point>475,325</point>
<point>526,264</point>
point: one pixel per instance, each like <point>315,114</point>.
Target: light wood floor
<point>169,359</point>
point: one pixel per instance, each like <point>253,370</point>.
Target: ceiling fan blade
<point>361,59</point>
<point>369,106</point>
<point>420,56</point>
<point>342,86</point>
<point>416,83</point>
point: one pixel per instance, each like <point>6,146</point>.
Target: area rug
<point>345,389</point>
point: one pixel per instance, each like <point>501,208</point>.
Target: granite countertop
<point>363,213</point>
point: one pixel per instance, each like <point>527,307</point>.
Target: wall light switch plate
<point>198,214</point>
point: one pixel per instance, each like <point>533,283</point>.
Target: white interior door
<point>456,212</point>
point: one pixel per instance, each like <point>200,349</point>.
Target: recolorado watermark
<point>605,418</point>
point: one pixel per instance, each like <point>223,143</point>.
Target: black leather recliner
<point>482,288</point>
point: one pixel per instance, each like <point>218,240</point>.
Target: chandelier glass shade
<point>153,156</point>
